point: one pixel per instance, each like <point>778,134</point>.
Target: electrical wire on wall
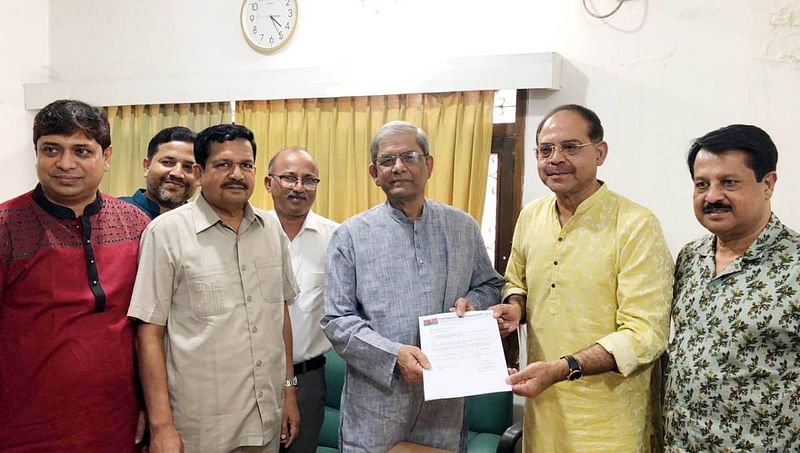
<point>603,16</point>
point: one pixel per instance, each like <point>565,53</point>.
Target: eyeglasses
<point>408,158</point>
<point>289,181</point>
<point>546,150</point>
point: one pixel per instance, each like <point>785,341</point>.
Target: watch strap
<point>575,370</point>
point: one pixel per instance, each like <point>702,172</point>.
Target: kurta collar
<point>594,199</point>
<point>205,217</point>
<point>151,208</point>
<point>400,216</point>
<point>63,212</point>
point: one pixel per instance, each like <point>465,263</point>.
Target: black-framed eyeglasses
<point>407,158</point>
<point>290,181</point>
<point>546,150</point>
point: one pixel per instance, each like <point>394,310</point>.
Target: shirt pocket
<point>270,281</point>
<point>206,290</point>
<point>311,285</point>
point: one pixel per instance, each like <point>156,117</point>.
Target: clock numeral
<point>290,12</point>
<point>252,18</point>
<point>262,37</point>
<point>271,39</point>
<point>286,26</point>
<point>255,30</point>
<point>254,6</point>
<point>280,34</point>
<point>288,2</point>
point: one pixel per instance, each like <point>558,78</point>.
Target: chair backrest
<point>490,413</point>
<point>334,378</point>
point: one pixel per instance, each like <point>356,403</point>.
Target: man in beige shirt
<point>215,344</point>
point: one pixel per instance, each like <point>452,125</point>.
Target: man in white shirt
<point>292,181</point>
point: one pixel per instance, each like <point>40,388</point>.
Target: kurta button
<point>91,261</point>
<point>88,241</point>
<point>258,363</point>
<point>260,394</point>
<point>254,329</point>
<point>244,267</point>
<point>249,298</point>
<point>552,285</point>
<point>560,239</point>
<point>94,282</point>
<point>555,263</point>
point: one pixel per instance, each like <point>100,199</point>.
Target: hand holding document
<point>466,355</point>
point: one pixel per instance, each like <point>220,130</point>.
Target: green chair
<point>489,417</point>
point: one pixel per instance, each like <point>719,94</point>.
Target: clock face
<point>268,24</point>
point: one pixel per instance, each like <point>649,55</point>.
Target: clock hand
<point>275,23</point>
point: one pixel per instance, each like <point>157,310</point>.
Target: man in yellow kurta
<point>591,274</point>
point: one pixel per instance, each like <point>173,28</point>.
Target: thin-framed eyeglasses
<point>546,150</point>
<point>290,181</point>
<point>407,158</point>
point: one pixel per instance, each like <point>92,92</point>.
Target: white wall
<point>658,72</point>
<point>23,44</point>
<point>661,73</point>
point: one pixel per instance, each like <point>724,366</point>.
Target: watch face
<point>268,24</point>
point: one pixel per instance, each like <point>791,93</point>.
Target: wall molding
<point>541,70</point>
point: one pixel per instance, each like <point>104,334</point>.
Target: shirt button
<point>258,363</point>
<point>94,282</point>
<point>260,394</point>
<point>552,285</point>
<point>88,241</point>
<point>91,261</point>
<point>254,329</point>
<point>249,298</point>
<point>560,239</point>
<point>244,267</point>
<point>555,263</point>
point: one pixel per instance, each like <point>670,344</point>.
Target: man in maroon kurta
<point>67,266</point>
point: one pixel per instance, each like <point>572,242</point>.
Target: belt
<point>309,365</point>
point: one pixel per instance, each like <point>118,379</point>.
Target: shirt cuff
<point>511,291</point>
<point>620,346</point>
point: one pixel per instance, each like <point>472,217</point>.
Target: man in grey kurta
<point>386,267</point>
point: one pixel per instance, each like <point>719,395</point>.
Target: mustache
<point>236,184</point>
<point>561,168</point>
<point>297,195</point>
<point>708,207</point>
<point>173,180</point>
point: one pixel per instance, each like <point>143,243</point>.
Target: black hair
<point>219,134</point>
<point>68,116</point>
<point>170,134</point>
<point>595,127</point>
<point>762,155</point>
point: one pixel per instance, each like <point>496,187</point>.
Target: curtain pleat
<point>132,127</point>
<point>337,132</point>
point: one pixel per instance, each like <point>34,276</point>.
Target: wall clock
<point>268,24</point>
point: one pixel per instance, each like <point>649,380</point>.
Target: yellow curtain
<point>337,133</point>
<point>132,127</point>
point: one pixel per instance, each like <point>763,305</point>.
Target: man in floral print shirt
<point>733,383</point>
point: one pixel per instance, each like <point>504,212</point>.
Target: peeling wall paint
<point>784,42</point>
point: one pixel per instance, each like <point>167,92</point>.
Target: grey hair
<point>393,128</point>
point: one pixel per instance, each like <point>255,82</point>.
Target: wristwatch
<point>290,383</point>
<point>575,371</point>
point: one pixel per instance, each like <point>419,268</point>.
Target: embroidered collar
<point>63,212</point>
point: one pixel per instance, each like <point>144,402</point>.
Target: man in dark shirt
<point>168,172</point>
<point>67,266</point>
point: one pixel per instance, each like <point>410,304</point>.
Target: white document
<point>466,355</point>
